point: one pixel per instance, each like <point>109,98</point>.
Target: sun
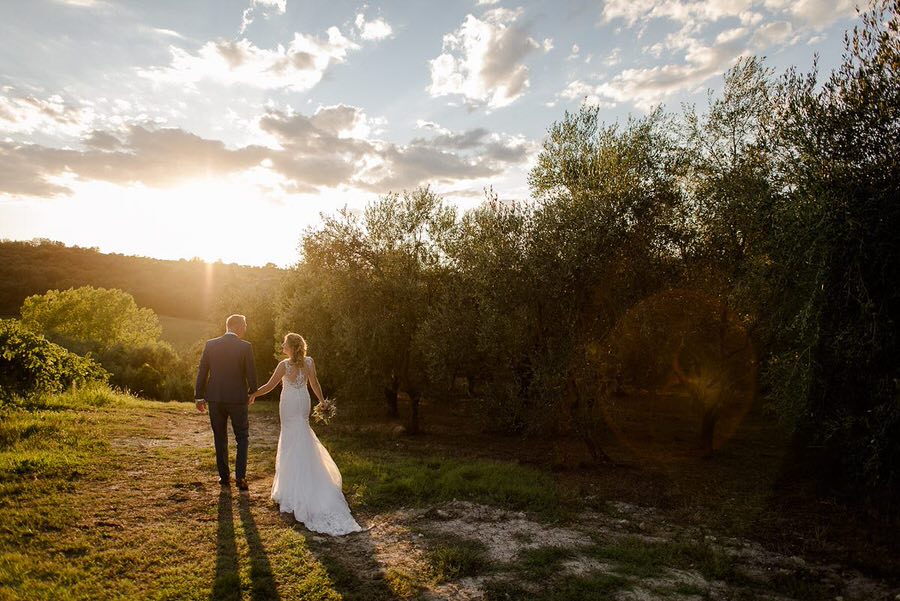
<point>245,218</point>
<point>226,219</point>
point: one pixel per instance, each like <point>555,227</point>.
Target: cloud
<point>156,158</point>
<point>574,52</point>
<point>459,141</point>
<point>423,124</point>
<point>816,14</point>
<point>167,32</point>
<point>265,6</point>
<point>446,158</point>
<point>333,147</point>
<point>81,3</point>
<point>330,148</point>
<point>772,34</point>
<point>298,67</point>
<point>648,86</point>
<point>22,175</point>
<point>161,158</point>
<point>483,60</point>
<point>51,115</point>
<point>693,15</point>
<point>614,57</point>
<point>588,93</point>
<point>377,29</point>
<point>696,51</point>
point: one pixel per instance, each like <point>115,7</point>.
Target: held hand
<point>252,398</point>
<point>201,405</point>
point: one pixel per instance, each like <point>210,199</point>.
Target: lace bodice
<point>294,375</point>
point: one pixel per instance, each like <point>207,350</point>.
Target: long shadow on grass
<point>262,580</point>
<point>353,567</point>
<point>227,583</point>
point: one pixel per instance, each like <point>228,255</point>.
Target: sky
<point>222,129</point>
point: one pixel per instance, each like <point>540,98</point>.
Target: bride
<point>307,481</point>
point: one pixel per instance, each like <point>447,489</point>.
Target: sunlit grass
<point>380,479</point>
<point>75,524</point>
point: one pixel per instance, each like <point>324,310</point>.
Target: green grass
<point>543,562</point>
<point>105,496</point>
<point>83,516</point>
<point>380,479</point>
<point>636,557</point>
<point>52,437</point>
<point>453,557</point>
<point>593,587</point>
<point>101,498</point>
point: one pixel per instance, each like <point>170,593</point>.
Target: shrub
<point>29,363</point>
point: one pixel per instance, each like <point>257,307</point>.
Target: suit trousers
<point>219,413</point>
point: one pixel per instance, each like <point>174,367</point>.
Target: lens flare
<point>676,377</point>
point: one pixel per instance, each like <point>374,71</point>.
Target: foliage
<point>110,327</point>
<point>603,239</point>
<point>30,364</point>
<point>259,304</point>
<point>185,288</point>
<point>477,327</point>
<point>152,370</point>
<point>89,318</point>
<point>834,304</point>
<point>362,289</point>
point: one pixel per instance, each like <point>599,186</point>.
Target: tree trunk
<point>583,424</point>
<point>413,426</point>
<point>598,455</point>
<point>708,429</point>
<point>390,396</point>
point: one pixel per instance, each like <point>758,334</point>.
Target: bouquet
<point>325,411</point>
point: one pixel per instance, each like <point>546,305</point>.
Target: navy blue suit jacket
<point>227,373</point>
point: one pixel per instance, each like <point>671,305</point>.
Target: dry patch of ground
<point>622,544</point>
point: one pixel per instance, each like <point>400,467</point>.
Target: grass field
<point>103,496</point>
<point>182,333</point>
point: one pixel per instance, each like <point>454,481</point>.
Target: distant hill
<point>183,289</point>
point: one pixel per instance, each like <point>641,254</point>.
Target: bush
<point>152,370</point>
<point>29,363</point>
<point>89,318</point>
<point>124,338</point>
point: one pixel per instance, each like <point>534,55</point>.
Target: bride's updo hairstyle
<point>297,344</point>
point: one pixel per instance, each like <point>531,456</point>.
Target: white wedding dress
<point>307,481</point>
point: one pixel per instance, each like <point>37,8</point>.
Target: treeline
<point>745,251</point>
<point>107,307</point>
<point>186,289</point>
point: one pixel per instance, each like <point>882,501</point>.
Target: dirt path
<point>164,512</point>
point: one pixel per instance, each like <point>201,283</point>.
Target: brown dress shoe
<point>242,484</point>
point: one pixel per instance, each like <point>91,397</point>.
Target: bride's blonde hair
<point>297,344</point>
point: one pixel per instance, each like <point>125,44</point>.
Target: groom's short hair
<point>234,321</point>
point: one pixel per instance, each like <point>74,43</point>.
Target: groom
<point>226,377</point>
